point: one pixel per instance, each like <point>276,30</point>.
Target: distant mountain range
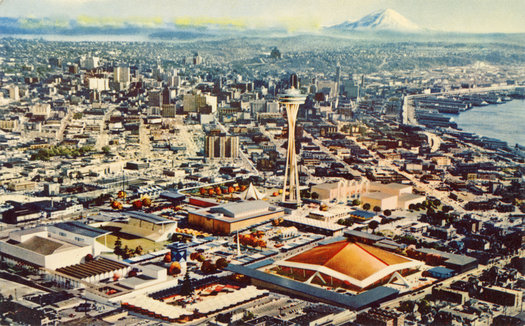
<point>381,20</point>
<point>379,24</point>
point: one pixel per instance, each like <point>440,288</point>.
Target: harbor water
<point>505,121</point>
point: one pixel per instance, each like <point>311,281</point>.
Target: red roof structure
<point>357,264</point>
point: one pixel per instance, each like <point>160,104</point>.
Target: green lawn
<point>132,242</point>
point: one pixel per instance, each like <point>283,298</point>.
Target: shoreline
<point>489,121</point>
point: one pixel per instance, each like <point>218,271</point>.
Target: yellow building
<point>21,186</point>
<point>340,190</point>
<point>148,226</point>
<point>441,160</point>
<point>380,199</point>
<point>199,103</point>
<point>390,196</point>
<point>8,125</point>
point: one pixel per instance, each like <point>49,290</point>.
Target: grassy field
<point>131,241</point>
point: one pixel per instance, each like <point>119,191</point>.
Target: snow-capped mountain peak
<point>386,19</point>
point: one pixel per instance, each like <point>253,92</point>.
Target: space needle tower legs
<point>291,99</point>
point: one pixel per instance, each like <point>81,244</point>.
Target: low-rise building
<point>341,190</point>
<point>450,295</point>
<point>391,196</point>
<point>502,296</point>
<point>149,226</point>
<point>38,248</point>
<point>332,214</point>
<point>80,234</point>
<point>381,317</point>
<point>380,199</point>
<point>306,224</point>
<point>231,217</point>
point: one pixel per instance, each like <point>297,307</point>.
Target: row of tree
<point>427,204</point>
<point>422,306</point>
<point>207,266</point>
<point>212,191</point>
<point>126,252</point>
<point>45,154</point>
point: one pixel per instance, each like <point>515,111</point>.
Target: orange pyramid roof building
<point>355,265</point>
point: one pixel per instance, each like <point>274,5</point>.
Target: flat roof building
<point>173,196</point>
<point>149,226</point>
<point>333,214</point>
<point>340,190</point>
<point>80,234</point>
<point>458,263</point>
<point>38,248</point>
<point>361,215</point>
<point>382,200</point>
<point>91,272</point>
<point>390,196</point>
<point>231,217</point>
<point>315,226</point>
<point>364,237</point>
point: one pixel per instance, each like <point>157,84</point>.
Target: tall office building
<point>55,62</point>
<point>291,99</point>
<point>99,84</point>
<point>257,107</point>
<point>222,146</point>
<point>197,59</point>
<point>174,81</point>
<point>338,79</point>
<point>14,93</point>
<point>166,96</point>
<point>89,62</point>
<point>121,78</point>
<point>155,98</point>
<point>121,75</point>
<point>198,103</point>
<point>350,88</point>
<point>272,107</point>
<point>73,69</point>
<point>42,110</point>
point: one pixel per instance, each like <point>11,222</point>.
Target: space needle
<point>291,99</point>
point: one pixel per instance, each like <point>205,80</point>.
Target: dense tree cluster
<point>45,154</point>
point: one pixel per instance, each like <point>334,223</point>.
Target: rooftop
<point>378,195</point>
<point>459,260</point>
<point>172,195</point>
<point>336,210</point>
<point>44,246</point>
<point>328,185</point>
<point>363,214</point>
<point>314,223</point>
<point>342,257</point>
<point>81,229</point>
<point>441,270</point>
<point>241,209</point>
<point>397,186</point>
<point>93,268</point>
<point>409,196</point>
<point>353,302</point>
<point>233,212</point>
<point>364,235</point>
<point>151,218</point>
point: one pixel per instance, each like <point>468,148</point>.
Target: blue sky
<point>477,16</point>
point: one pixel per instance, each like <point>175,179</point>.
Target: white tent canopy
<point>252,193</point>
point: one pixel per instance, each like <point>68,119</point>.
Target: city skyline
<point>162,166</point>
<point>478,16</point>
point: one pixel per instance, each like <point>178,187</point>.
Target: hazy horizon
<point>477,16</point>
